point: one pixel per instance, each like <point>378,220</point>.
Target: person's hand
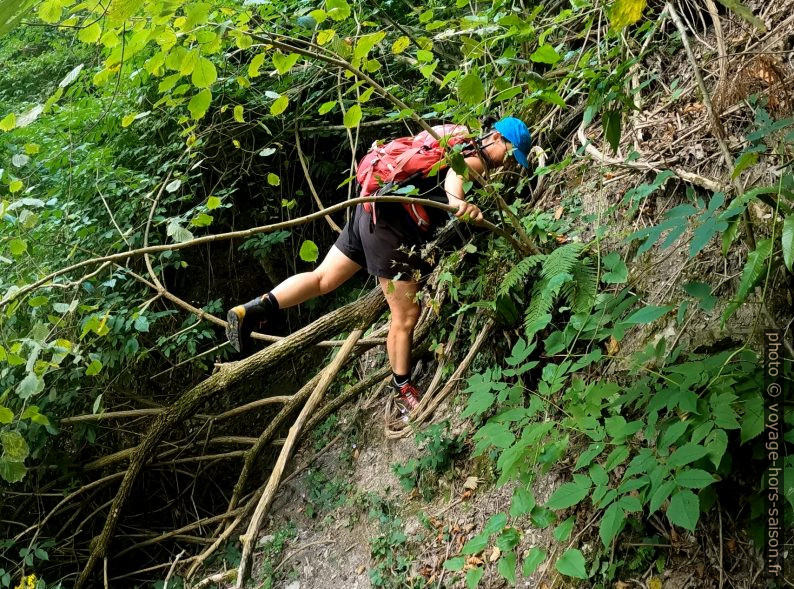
<point>472,210</point>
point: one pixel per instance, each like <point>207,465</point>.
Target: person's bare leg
<point>401,296</point>
<point>334,270</point>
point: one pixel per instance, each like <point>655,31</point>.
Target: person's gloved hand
<point>472,210</point>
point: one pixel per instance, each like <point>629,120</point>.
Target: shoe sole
<point>234,330</point>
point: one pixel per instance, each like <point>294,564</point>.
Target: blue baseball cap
<point>516,132</point>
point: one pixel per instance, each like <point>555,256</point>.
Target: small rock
<point>294,585</point>
<point>361,568</point>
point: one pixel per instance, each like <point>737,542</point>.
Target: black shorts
<point>390,248</point>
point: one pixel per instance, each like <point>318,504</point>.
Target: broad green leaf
<point>495,523</point>
<point>753,418</point>
<point>522,502</point>
<point>684,509</point>
<point>90,34</point>
<point>545,54</point>
<point>283,63</point>
<point>326,107</point>
<point>618,271</point>
<point>15,448</point>
<point>12,472</point>
<point>647,314</point>
<point>29,386</point>
<point>325,35</point>
<point>213,202</point>
<point>479,402</point>
<point>476,544</point>
<point>141,323</point>
<point>178,233</point>
<point>238,113</point>
<point>6,415</point>
<point>32,148</point>
<point>199,104</point>
<point>337,9</point>
<point>563,531</point>
<point>470,89</point>
<point>616,457</point>
<point>533,560</point>
<point>400,45</point>
<point>366,43</point>
<point>127,120</point>
<point>611,524</point>
<point>473,577</point>
<point>8,122</point>
<point>686,454</point>
<point>94,368</point>
<point>569,494</point>
<point>572,564</point>
<point>612,127</point>
<point>273,179</point>
<point>256,63</point>
<point>309,251</point>
<point>588,455</point>
<point>507,567</point>
<point>694,478</point>
<point>17,247</point>
<point>15,186</point>
<point>671,434</point>
<point>204,73</point>
<point>279,105</point>
<point>660,495</point>
<point>50,11</point>
<point>455,564</point>
<point>753,271</point>
<point>625,12</point>
<point>787,240</point>
<point>352,116</point>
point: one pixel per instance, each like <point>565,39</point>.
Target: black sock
<point>400,379</point>
<point>270,298</point>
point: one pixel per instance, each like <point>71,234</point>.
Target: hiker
<point>386,240</point>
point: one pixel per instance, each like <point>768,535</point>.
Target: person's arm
<point>453,186</point>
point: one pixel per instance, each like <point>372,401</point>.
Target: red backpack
<point>402,159</point>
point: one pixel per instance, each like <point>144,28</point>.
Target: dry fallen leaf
<point>654,583</point>
<point>621,585</point>
<point>474,561</point>
<point>495,554</point>
<point>558,213</point>
<point>471,483</point>
<point>361,568</point>
<point>613,346</point>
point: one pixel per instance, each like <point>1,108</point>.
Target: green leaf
<point>787,239</point>
<point>6,415</point>
<point>616,457</point>
<point>127,120</point>
<point>618,271</point>
<point>352,116</point>
<point>204,73</point>
<point>15,448</point>
<point>545,54</point>
<point>660,495</point>
<point>716,443</point>
<point>648,314</point>
<point>625,12</point>
<point>326,107</point>
<point>255,64</point>
<point>572,564</point>
<point>455,564</point>
<point>12,472</point>
<point>612,126</point>
<point>476,544</point>
<point>50,11</point>
<point>279,105</point>
<point>588,455</point>
<point>400,45</point>
<point>570,494</point>
<point>366,43</point>
<point>611,524</point>
<point>744,12</point>
<point>479,402</point>
<point>94,368</point>
<point>533,560</point>
<point>213,202</point>
<point>325,35</point>
<point>753,418</point>
<point>563,531</point>
<point>522,502</point>
<point>90,34</point>
<point>199,104</point>
<point>470,89</point>
<point>15,186</point>
<point>177,232</point>
<point>238,113</point>
<point>337,9</point>
<point>141,323</point>
<point>273,179</point>
<point>684,509</point>
<point>17,247</point>
<point>283,63</point>
<point>8,122</point>
<point>753,271</point>
<point>686,454</point>
<point>201,220</point>
<point>473,577</point>
<point>694,478</point>
<point>507,567</point>
<point>31,385</point>
<point>309,251</point>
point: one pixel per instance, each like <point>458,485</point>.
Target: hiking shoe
<point>243,319</point>
<point>408,396</point>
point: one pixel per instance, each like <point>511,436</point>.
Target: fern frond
<point>580,293</point>
<point>561,260</point>
<point>519,273</point>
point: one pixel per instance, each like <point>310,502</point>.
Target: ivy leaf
<point>15,448</point>
<point>684,509</point>
<point>470,89</point>
<point>204,73</point>
<point>545,54</point>
<point>612,523</point>
<point>279,105</point>
<point>569,494</point>
<point>787,240</point>
<point>572,564</point>
<point>283,63</point>
<point>309,251</point>
<point>352,116</point>
<point>625,12</point>
<point>618,271</point>
<point>199,104</point>
<point>533,560</point>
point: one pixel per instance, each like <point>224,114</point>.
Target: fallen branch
<point>328,374</point>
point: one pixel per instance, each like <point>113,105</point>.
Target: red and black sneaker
<point>243,319</point>
<point>408,396</point>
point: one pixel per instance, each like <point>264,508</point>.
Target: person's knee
<point>405,319</point>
